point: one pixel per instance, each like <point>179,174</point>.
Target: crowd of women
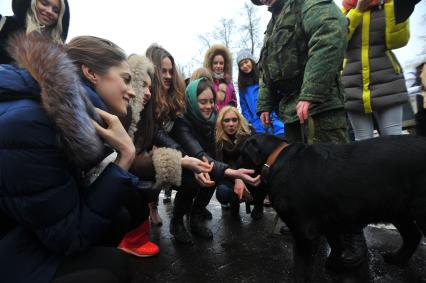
<point>89,137</point>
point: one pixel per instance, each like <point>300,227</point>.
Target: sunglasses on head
<point>227,120</point>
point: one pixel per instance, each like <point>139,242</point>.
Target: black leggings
<point>104,262</point>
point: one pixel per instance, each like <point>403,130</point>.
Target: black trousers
<point>190,196</point>
<point>104,262</point>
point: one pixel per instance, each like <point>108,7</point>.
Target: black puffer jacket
<point>198,140</point>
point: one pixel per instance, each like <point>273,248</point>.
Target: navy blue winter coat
<point>45,214</point>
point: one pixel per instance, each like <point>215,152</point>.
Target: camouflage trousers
<point>330,126</point>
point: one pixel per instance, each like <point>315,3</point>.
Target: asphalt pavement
<point>244,250</point>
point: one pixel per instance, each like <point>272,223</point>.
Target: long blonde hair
<point>243,129</point>
<point>33,24</point>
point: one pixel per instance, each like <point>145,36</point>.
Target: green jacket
<point>301,58</point>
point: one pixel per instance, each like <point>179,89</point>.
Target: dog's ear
<point>252,152</point>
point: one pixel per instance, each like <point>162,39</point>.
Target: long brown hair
<point>168,104</point>
<point>242,131</point>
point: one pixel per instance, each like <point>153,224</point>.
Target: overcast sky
<point>135,24</point>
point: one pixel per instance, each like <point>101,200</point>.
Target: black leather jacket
<point>163,139</point>
<point>198,140</point>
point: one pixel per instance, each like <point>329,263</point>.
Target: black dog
<point>329,190</point>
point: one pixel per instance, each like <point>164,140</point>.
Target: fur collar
<point>215,50</point>
<point>62,96</point>
<point>139,66</point>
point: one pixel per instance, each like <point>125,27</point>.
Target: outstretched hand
<point>203,179</point>
<point>196,165</point>
<point>243,174</point>
<point>240,189</point>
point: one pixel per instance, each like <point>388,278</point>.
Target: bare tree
<point>250,30</point>
<point>224,32</point>
<point>206,40</point>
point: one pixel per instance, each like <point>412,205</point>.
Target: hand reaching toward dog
<point>243,174</point>
<point>203,179</point>
<point>116,136</point>
<point>240,189</point>
<point>196,165</point>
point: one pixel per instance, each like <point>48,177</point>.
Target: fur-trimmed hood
<point>222,50</point>
<point>139,66</point>
<point>62,95</point>
<point>166,161</point>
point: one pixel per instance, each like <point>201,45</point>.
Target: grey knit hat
<point>244,54</point>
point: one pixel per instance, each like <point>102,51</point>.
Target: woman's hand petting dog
<point>243,174</point>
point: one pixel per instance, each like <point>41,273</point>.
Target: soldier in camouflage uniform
<point>300,65</point>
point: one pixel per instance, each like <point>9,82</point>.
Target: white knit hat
<point>244,54</point>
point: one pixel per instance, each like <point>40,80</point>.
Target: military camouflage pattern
<point>330,126</point>
<point>301,58</point>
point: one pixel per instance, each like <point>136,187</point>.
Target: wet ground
<point>244,250</point>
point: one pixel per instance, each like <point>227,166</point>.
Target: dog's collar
<point>270,160</point>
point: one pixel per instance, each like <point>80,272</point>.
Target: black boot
<point>178,230</point>
<point>257,212</point>
<point>177,227</point>
<point>198,227</point>
<point>234,207</point>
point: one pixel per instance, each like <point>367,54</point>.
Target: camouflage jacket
<point>301,58</point>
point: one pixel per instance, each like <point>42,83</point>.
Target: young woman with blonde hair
<point>47,17</point>
<point>232,129</point>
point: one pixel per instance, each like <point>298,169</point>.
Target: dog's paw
<point>395,258</point>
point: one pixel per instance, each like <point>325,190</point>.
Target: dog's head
<point>256,149</point>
